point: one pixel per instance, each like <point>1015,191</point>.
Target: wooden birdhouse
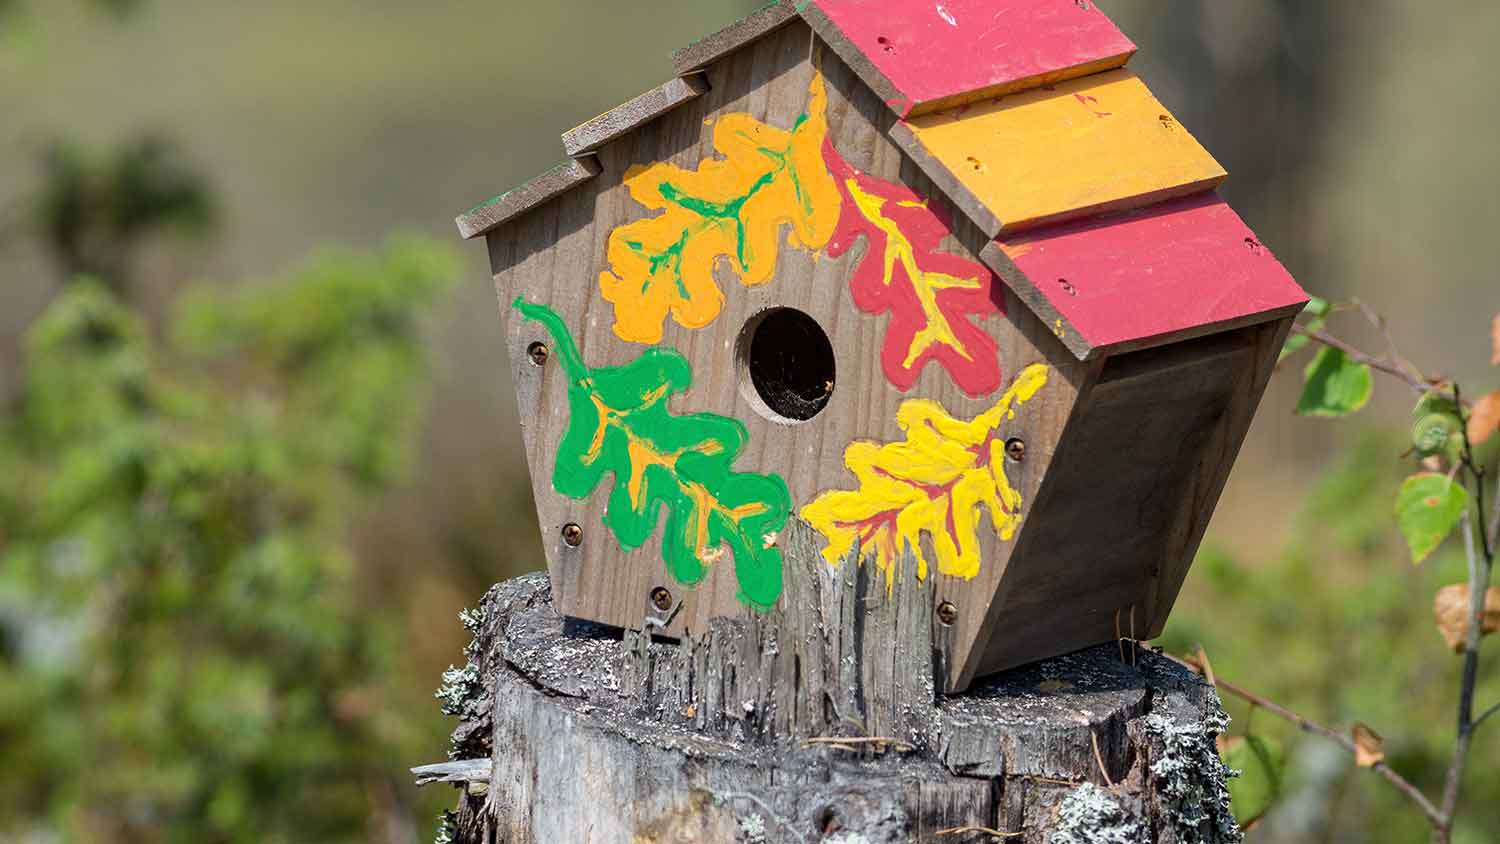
<point>944,281</point>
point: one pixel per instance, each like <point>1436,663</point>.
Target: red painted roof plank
<point>1169,271</point>
<point>924,55</point>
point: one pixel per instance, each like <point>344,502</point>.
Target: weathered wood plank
<point>488,216</point>
<point>905,49</point>
<point>758,24</point>
<point>621,120</point>
<point>1170,272</point>
<point>1097,144</point>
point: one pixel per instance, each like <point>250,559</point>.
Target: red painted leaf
<point>935,299</point>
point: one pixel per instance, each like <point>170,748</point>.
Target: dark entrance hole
<point>790,363</point>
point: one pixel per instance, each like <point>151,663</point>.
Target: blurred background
<point>259,447</point>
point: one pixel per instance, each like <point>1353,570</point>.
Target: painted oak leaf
<point>619,422</point>
<point>939,481</point>
<point>935,299</point>
<point>730,210</point>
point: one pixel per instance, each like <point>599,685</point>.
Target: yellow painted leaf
<point>729,212</point>
<point>1369,746</point>
<point>1484,421</point>
<point>1451,609</point>
<point>939,481</point>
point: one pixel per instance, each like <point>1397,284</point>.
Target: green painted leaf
<point>1428,509</point>
<point>1261,764</point>
<point>618,422</point>
<point>1336,386</point>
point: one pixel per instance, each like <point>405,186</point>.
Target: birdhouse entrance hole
<point>786,365</point>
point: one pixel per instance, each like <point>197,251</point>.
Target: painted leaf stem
<point>619,422</point>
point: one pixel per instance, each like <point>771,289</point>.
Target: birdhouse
<point>944,281</point>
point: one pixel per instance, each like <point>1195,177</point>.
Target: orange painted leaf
<point>1495,338</point>
<point>939,481</point>
<point>729,212</point>
<point>1484,421</point>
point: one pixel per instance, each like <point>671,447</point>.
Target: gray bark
<point>816,722</point>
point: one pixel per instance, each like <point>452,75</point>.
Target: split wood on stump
<point>817,722</point>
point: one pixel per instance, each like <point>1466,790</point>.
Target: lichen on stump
<point>816,722</point>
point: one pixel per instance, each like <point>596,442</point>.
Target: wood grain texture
<point>1215,460</point>
<point>589,736</point>
<point>921,56</point>
<point>1107,549</point>
<point>705,51</point>
<point>621,120</point>
<point>554,256</point>
<point>1097,144</point>
<point>483,218</point>
<point>1168,272</point>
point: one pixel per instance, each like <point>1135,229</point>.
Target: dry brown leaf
<point>1484,421</point>
<point>1369,747</point>
<point>1495,337</point>
<point>1451,608</point>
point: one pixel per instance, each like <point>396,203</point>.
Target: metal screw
<point>1015,449</point>
<point>538,353</point>
<point>572,534</point>
<point>661,598</point>
<point>947,613</point>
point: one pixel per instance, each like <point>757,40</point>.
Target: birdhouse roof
<point>1100,205</point>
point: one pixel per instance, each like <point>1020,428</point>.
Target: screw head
<point>572,534</point>
<point>947,613</point>
<point>538,353</point>
<point>661,598</point>
<point>1015,449</point>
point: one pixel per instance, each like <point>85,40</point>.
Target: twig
<point>1420,383</point>
<point>1099,757</point>
<point>1495,524</point>
<point>842,743</point>
<point>982,830</point>
<point>781,822</point>
<point>1411,791</point>
<point>1481,560</point>
<point>1487,713</point>
<point>1208,667</point>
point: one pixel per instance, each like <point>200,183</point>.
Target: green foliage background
<point>237,517</point>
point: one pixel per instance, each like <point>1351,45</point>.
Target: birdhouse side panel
<point>760,310</point>
<point>1120,516</point>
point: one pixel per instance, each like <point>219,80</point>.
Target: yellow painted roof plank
<point>1100,143</point>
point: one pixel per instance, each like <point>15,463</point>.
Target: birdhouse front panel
<point>771,291</point>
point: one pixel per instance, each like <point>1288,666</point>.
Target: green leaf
<point>1336,386</point>
<point>1428,509</point>
<point>1261,763</point>
<point>619,423</point>
<point>1317,308</point>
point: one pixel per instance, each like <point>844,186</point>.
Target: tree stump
<point>817,722</point>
